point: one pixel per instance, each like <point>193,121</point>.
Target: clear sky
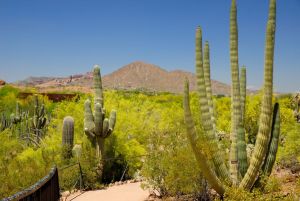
<point>64,37</point>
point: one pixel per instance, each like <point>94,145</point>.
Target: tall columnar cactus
<point>206,69</point>
<point>238,154</point>
<point>67,137</point>
<point>267,138</point>
<point>205,114</point>
<point>264,130</point>
<point>96,126</point>
<point>243,89</point>
<point>39,119</point>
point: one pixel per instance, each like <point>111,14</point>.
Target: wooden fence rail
<point>46,189</point>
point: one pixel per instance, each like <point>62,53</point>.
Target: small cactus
<point>67,137</point>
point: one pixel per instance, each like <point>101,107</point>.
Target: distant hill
<point>136,75</point>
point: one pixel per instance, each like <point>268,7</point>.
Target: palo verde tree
<point>241,173</point>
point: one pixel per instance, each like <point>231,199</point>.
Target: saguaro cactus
<point>267,138</point>
<point>67,137</point>
<point>96,126</point>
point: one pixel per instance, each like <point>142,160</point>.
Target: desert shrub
<point>169,167</point>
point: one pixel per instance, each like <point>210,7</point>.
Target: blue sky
<point>64,37</point>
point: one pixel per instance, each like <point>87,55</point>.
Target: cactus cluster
<point>16,118</point>
<point>67,137</point>
<point>29,127</point>
<point>96,126</point>
<point>241,172</point>
<point>39,119</point>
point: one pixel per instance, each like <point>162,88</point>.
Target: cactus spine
<point>96,126</point>
<point>266,146</point>
<point>67,137</point>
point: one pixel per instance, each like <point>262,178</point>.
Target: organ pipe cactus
<point>67,137</point>
<point>267,138</point>
<point>96,126</point>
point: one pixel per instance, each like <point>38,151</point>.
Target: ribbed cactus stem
<point>243,89</point>
<point>202,160</point>
<point>218,159</point>
<point>68,137</point>
<point>241,141</point>
<point>235,94</point>
<point>264,130</point>
<point>273,144</point>
<point>98,85</point>
<point>98,119</point>
<point>207,78</point>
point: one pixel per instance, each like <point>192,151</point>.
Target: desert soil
<point>125,192</point>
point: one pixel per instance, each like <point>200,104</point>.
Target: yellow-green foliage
<point>148,124</point>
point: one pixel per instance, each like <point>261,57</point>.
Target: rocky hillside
<point>136,75</point>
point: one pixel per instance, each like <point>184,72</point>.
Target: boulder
<point>2,82</point>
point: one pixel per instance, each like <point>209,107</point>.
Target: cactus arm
<point>89,133</point>
<point>273,145</point>
<point>200,156</point>
<point>207,78</point>
<point>98,85</point>
<point>243,91</point>
<point>105,127</point>
<point>112,119</point>
<point>205,114</point>
<point>89,125</point>
<point>111,123</point>
<point>263,135</point>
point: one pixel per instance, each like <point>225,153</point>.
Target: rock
<point>2,82</point>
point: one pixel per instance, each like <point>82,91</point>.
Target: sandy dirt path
<point>125,192</point>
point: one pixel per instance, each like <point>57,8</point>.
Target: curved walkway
<point>125,192</point>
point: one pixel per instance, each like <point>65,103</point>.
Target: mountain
<point>140,75</point>
<point>136,75</point>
